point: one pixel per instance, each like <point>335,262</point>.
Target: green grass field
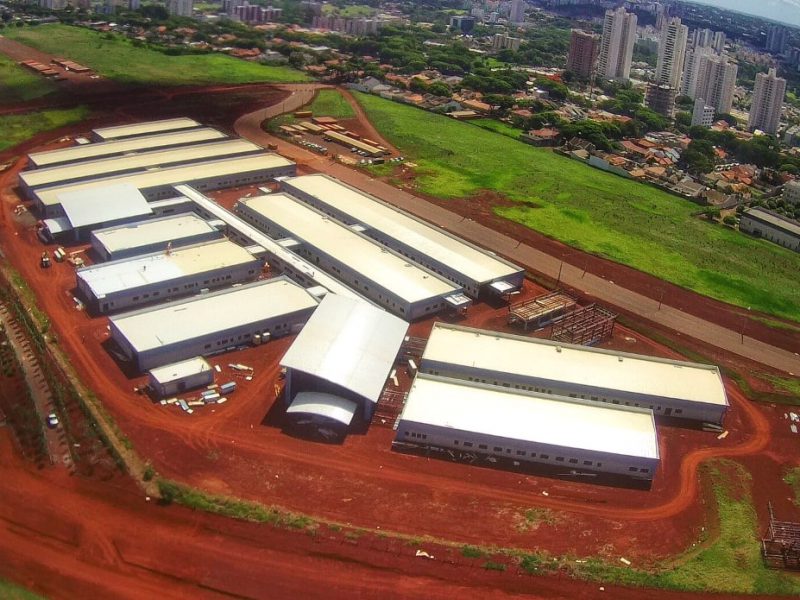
<point>623,220</point>
<point>497,127</point>
<point>119,59</point>
<point>730,562</point>
<point>15,129</point>
<point>19,85</point>
<point>330,103</point>
<point>11,591</point>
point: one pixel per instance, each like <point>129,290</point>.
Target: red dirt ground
<point>129,548</point>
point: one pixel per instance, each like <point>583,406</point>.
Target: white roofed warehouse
<point>153,235</point>
<point>345,351</point>
<point>211,323</point>
<point>86,152</point>
<point>280,258</point>
<point>476,270</point>
<point>180,377</point>
<point>670,388</point>
<point>158,184</point>
<point>514,427</point>
<point>387,278</point>
<point>118,132</point>
<point>29,181</point>
<point>124,284</point>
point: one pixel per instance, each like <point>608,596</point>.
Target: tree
<point>440,88</point>
<point>730,220</point>
<point>729,119</point>
<point>683,119</point>
<point>500,103</point>
<point>684,102</point>
<point>698,158</point>
<point>418,85</point>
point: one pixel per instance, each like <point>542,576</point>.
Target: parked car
<point>52,420</point>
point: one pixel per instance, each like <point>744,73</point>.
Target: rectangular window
<point>573,461</point>
<point>560,458</point>
<point>544,456</point>
<point>498,449</point>
<point>483,446</point>
<point>468,444</point>
<point>632,469</point>
<point>520,452</point>
<point>588,463</point>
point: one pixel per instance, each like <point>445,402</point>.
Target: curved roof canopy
<point>328,406</point>
<point>349,343</point>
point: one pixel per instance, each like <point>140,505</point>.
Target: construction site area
<point>259,325</point>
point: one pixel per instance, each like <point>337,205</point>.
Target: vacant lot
<point>19,85</point>
<point>625,221</point>
<point>331,103</point>
<point>119,59</point>
<point>15,129</point>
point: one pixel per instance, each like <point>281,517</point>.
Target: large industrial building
<point>123,284</point>
<point>211,323</point>
<point>29,181</point>
<point>158,184</point>
<point>387,278</point>
<point>88,210</point>
<point>667,387</point>
<point>84,152</point>
<point>519,426</point>
<point>152,235</point>
<point>771,226</point>
<point>343,356</point>
<point>318,282</point>
<point>118,132</point>
<point>476,270</point>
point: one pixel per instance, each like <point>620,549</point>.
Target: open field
<point>622,220</point>
<point>15,129</point>
<point>331,103</point>
<point>20,85</point>
<point>113,57</point>
<point>497,127</point>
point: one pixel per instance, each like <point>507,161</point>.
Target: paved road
<point>249,126</point>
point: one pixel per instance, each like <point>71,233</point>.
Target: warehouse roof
<point>580,365</point>
<point>119,275</point>
<point>89,151</point>
<point>153,231</point>
<point>536,418</point>
<point>103,204</point>
<point>475,263</point>
<point>350,343</point>
<point>777,221</point>
<point>199,316</point>
<point>329,406</point>
<point>98,168</point>
<point>180,370</point>
<point>244,229</point>
<point>134,129</point>
<point>354,250</point>
<point>173,175</point>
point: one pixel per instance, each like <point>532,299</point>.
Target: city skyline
<point>780,11</point>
